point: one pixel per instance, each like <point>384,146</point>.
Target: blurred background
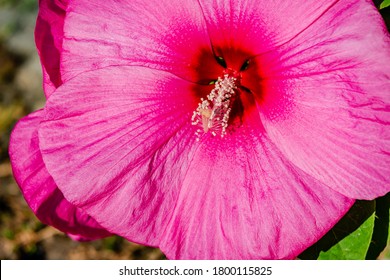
<point>22,236</point>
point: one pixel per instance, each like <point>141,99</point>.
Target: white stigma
<point>213,114</point>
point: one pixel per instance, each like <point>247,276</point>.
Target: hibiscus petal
<point>242,199</point>
<point>159,34</point>
<point>39,189</point>
<point>326,100</point>
<point>117,141</point>
<point>48,38</point>
<point>257,26</point>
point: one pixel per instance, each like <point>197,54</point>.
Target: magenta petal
<point>326,100</point>
<point>159,34</point>
<point>124,135</point>
<point>48,38</point>
<point>257,26</point>
<point>243,200</point>
<point>39,189</point>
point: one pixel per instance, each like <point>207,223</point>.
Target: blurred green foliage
<point>20,5</point>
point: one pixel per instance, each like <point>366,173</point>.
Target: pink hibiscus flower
<point>214,129</point>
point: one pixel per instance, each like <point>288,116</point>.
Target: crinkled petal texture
<point>48,38</point>
<point>163,35</point>
<point>128,140</point>
<point>39,189</point>
<point>125,139</point>
<point>326,101</point>
<point>242,199</point>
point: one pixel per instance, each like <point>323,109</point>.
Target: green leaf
<point>359,213</point>
<point>380,236</point>
<point>384,4</point>
<point>354,246</point>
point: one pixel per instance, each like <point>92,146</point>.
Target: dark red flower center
<point>229,88</point>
